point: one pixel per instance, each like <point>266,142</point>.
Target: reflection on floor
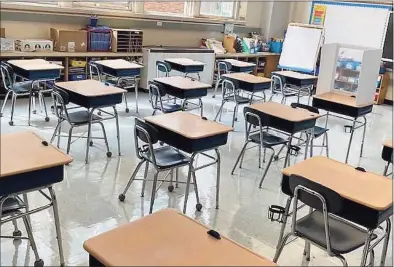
<point>88,197</point>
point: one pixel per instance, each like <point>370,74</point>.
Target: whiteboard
<point>355,23</point>
<point>300,48</point>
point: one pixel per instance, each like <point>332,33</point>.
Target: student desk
<point>194,135</point>
<point>287,119</point>
<point>296,82</point>
<point>249,82</point>
<point>185,88</point>
<point>92,95</point>
<point>368,197</point>
<point>28,165</point>
<point>185,65</point>
<point>122,70</point>
<point>387,154</point>
<point>149,242</point>
<point>35,70</point>
<point>344,105</point>
<point>240,66</point>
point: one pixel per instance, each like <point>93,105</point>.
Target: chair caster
<point>46,119</point>
<point>170,188</point>
<point>276,157</point>
<point>11,123</point>
<point>308,258</point>
<point>127,110</point>
<point>109,154</point>
<point>213,96</point>
<point>99,113</point>
<point>17,233</point>
<point>39,263</point>
<point>122,197</point>
<point>91,143</point>
<point>236,119</point>
<point>34,112</point>
<point>198,207</point>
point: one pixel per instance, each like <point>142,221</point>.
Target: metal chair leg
<point>70,133</point>
<point>259,157</point>
<point>386,242</point>
<point>239,157</point>
<point>57,225</point>
<point>234,115</point>
<point>343,260</point>
<point>281,246</point>
<point>105,139</point>
<point>267,167</point>
<point>327,149</point>
<point>187,186</point>
<point>4,102</point>
<point>217,177</point>
<point>362,140</point>
<point>386,168</point>
<point>58,134</point>
<point>122,196</point>
<point>117,128</point>
<point>152,199</point>
<point>372,258</point>
<point>176,178</point>
<point>366,247</point>
<point>125,102</point>
<point>219,112</point>
<point>216,88</point>
<point>196,191</point>
<point>38,262</point>
<point>145,177</point>
<point>13,100</point>
<point>55,131</point>
<point>41,99</point>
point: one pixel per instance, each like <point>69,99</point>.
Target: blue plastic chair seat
<point>167,157</point>
<point>22,87</point>
<point>81,117</point>
<point>171,107</point>
<point>269,140</point>
<point>318,131</point>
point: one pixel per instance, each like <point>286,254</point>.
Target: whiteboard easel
<point>301,47</point>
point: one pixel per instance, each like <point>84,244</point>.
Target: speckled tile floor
<point>88,196</point>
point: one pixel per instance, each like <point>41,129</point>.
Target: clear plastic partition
<point>348,68</point>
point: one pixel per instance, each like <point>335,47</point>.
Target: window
<point>104,5</point>
<point>165,7</point>
<point>217,9</point>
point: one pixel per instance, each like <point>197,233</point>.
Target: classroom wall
<point>30,25</point>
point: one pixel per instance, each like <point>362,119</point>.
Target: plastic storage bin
<point>99,39</point>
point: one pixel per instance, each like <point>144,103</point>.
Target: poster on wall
<point>318,14</point>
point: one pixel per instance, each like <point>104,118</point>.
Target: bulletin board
<point>357,24</point>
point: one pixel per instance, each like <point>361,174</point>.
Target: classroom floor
<point>88,196</point>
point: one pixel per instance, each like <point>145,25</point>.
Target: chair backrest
<point>157,89</point>
<point>276,84</point>
<point>149,136</point>
<point>315,195</point>
<point>318,197</point>
<point>7,75</point>
<point>223,67</point>
<point>162,66</point>
<point>146,132</point>
<point>60,100</point>
<point>94,70</point>
<point>303,106</point>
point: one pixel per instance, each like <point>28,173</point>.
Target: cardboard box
<point>2,32</point>
<point>7,45</point>
<point>34,45</point>
<point>69,40</point>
